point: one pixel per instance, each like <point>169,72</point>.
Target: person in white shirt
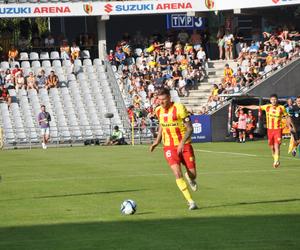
<point>228,39</point>
<point>49,41</point>
<point>201,55</point>
<point>288,46</point>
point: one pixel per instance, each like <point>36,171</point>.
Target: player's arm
<point>157,140</point>
<point>252,107</point>
<point>189,131</point>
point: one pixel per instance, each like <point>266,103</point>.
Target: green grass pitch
<point>69,199</point>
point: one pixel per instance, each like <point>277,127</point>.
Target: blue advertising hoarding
<point>183,21</point>
<point>202,128</point>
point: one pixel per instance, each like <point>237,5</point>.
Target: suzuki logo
<point>275,1</point>
<point>108,8</point>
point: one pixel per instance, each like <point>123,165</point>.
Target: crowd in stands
<point>254,60</point>
<point>12,76</point>
<point>177,61</point>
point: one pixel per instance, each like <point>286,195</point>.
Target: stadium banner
<point>202,128</point>
<point>130,7</point>
<point>183,21</point>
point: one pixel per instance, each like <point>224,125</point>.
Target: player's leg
<point>188,159</point>
<point>244,135</point>
<point>277,143</point>
<point>43,137</point>
<point>276,155</point>
<point>240,135</point>
<point>46,139</point>
<point>174,163</point>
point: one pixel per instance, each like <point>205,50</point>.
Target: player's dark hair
<point>163,91</point>
<point>298,97</point>
<point>43,106</point>
<point>274,95</point>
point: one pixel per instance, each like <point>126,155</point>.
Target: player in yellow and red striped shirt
<point>175,130</point>
<point>274,114</point>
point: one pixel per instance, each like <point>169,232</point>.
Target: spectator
<point>65,50</point>
<point>250,125</point>
<point>239,42</point>
<point>196,40</point>
<point>49,41</point>
<point>183,36</point>
<point>41,79</point>
<point>9,80</point>
<point>117,138</point>
<point>228,45</point>
<point>31,82</point>
<point>44,119</point>
<point>120,57</point>
<point>20,82</point>
<point>75,51</point>
<point>181,86</point>
<point>12,54</point>
<point>52,81</point>
<point>242,124</point>
<point>4,95</point>
<point>221,42</point>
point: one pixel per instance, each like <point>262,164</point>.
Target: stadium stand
<point>77,105</point>
<point>181,63</point>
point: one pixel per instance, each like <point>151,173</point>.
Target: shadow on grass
<point>281,232</point>
<point>252,203</point>
<point>76,194</point>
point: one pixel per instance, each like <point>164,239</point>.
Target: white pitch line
<point>237,154</point>
<point>222,152</point>
<point>154,174</point>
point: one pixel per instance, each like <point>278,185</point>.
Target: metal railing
<point>28,137</point>
<point>244,90</point>
<point>117,95</point>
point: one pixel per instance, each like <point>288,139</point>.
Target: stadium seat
<point>44,55</point>
<point>54,55</point>
<point>13,64</point>
<point>36,64</point>
<point>25,64</point>
<point>85,54</point>
<point>77,62</point>
<point>24,56</point>
<point>56,63</point>
<point>5,65</point>
<point>71,77</point>
<point>87,62</point>
<point>97,61</point>
<point>66,63</point>
<point>33,56</point>
<point>46,64</point>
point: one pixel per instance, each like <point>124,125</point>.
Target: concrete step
<point>197,93</point>
<point>195,101</point>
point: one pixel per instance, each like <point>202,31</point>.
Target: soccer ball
<point>128,207</point>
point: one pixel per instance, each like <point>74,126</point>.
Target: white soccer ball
<point>128,207</point>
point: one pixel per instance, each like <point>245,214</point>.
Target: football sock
<point>184,189</point>
<point>276,157</point>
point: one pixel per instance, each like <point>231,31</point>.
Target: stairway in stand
<point>199,96</point>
